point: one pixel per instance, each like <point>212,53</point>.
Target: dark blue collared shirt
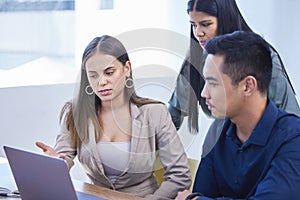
<point>265,167</point>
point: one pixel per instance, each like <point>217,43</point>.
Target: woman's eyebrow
<point>109,67</point>
<point>202,21</point>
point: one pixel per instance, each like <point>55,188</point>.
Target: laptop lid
<point>40,176</point>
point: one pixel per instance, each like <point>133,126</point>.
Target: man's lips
<point>210,106</point>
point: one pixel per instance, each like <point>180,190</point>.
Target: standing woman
<point>117,134</point>
<point>208,19</point>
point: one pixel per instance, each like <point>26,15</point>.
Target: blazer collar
<point>136,129</point>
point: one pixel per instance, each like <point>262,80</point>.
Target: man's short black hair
<point>245,53</point>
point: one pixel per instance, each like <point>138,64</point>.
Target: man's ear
<point>250,85</point>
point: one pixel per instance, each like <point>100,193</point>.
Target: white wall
<point>31,113</point>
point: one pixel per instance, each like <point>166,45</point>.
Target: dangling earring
<point>87,88</point>
<point>129,82</point>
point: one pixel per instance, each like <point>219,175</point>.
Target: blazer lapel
<point>92,145</point>
<point>135,135</point>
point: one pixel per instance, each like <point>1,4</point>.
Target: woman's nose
<point>102,80</point>
<point>199,32</point>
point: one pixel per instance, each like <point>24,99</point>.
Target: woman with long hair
<point>116,134</point>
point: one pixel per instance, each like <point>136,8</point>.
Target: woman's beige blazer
<point>153,134</point>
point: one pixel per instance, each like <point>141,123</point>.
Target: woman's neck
<point>112,106</point>
<point>116,104</point>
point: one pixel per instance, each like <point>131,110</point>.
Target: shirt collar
<point>263,128</point>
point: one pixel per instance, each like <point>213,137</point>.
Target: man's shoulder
<point>285,117</point>
<point>288,123</point>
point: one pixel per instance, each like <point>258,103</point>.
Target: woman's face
<point>107,76</point>
<point>204,26</point>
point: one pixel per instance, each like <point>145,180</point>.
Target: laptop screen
<point>41,177</point>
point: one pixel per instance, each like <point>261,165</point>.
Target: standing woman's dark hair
<point>229,16</point>
<point>184,100</point>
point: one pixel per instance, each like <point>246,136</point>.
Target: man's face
<point>222,98</point>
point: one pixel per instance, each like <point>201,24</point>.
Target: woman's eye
<point>194,25</point>
<point>205,25</point>
<point>109,73</point>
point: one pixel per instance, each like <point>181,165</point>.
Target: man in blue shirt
<point>257,155</point>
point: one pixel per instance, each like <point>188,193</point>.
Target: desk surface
<point>7,179</point>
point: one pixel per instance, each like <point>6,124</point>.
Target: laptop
<point>39,176</point>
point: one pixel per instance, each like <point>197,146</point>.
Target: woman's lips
<point>202,43</point>
<point>105,92</point>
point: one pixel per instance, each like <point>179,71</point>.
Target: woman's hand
<point>49,150</point>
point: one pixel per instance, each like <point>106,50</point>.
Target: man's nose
<point>204,92</point>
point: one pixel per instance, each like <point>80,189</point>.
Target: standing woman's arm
<point>179,101</point>
<point>280,90</point>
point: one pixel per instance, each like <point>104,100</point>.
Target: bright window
<point>42,41</point>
